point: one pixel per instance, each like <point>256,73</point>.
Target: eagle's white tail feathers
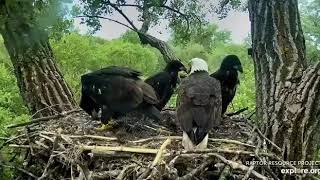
<point>188,145</point>
<point>204,143</point>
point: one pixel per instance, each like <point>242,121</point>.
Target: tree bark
<point>40,82</point>
<point>287,91</point>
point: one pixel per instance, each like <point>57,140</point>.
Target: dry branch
<point>156,160</point>
<point>43,119</point>
<point>102,149</point>
<point>235,165</point>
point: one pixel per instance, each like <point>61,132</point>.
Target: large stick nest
<point>67,146</point>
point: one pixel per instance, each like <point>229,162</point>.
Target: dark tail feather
<point>197,136</point>
<point>151,112</point>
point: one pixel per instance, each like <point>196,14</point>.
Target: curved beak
<point>238,68</point>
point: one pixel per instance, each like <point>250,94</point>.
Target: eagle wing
<point>161,83</point>
<point>113,86</point>
<point>117,70</point>
<point>200,102</point>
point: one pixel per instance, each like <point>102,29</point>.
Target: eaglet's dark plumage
<point>199,108</point>
<point>227,74</point>
<point>117,91</point>
<point>165,82</point>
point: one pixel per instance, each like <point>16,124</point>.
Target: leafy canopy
<point>180,14</point>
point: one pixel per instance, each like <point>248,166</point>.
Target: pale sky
<point>236,22</point>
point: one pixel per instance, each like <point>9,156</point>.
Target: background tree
<point>181,14</point>
<point>287,90</point>
<point>206,35</point>
<point>310,18</point>
<point>24,26</point>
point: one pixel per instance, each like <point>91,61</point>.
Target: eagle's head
<point>231,62</point>
<point>175,66</point>
<point>198,64</point>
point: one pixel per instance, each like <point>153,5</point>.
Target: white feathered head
<point>198,64</point>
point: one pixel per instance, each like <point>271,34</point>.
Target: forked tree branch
<point>109,19</point>
<point>115,6</point>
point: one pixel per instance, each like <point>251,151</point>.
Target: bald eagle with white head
<point>199,106</point>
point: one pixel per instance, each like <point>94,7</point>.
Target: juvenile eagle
<point>199,106</point>
<point>117,91</point>
<point>227,74</point>
<point>165,82</point>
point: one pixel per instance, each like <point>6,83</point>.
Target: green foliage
<point>208,36</point>
<point>181,14</point>
<point>310,16</point>
<point>51,16</point>
<point>12,109</point>
<point>131,36</point>
<point>77,54</point>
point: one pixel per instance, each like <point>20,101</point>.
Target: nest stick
<point>179,138</point>
<point>156,160</point>
<point>229,151</point>
<point>235,165</point>
<point>237,112</point>
<point>158,157</point>
<point>24,146</point>
<point>256,152</point>
<point>82,136</point>
<point>268,140</point>
<point>123,173</point>
<point>102,149</point>
<point>195,171</point>
<point>43,119</point>
<point>226,170</point>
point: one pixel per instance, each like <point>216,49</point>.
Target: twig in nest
<point>29,141</point>
<point>23,146</point>
<point>235,165</point>
<point>82,136</point>
<point>237,112</point>
<point>16,137</point>
<point>226,170</point>
<point>268,140</point>
<point>102,149</point>
<point>231,141</point>
<point>106,174</point>
<point>179,138</point>
<point>124,171</point>
<point>248,172</point>
<point>43,119</point>
<point>229,151</point>
<point>50,161</point>
<point>256,152</point>
<point>194,172</point>
<point>156,160</point>
<point>264,159</point>
<point>156,138</point>
<point>84,172</point>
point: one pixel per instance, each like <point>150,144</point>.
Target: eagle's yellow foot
<point>107,127</point>
<point>182,74</point>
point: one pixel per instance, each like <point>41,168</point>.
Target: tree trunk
<point>41,84</point>
<point>287,91</point>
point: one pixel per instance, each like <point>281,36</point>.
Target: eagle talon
<point>107,127</point>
